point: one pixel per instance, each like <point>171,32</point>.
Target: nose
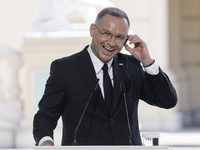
<point>111,41</point>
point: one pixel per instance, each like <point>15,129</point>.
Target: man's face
<point>109,35</point>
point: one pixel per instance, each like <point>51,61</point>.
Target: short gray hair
<point>114,12</point>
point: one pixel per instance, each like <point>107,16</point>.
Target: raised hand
<point>140,50</point>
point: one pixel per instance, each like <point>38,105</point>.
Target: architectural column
<point>11,110</point>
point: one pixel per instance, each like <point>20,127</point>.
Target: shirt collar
<point>97,63</point>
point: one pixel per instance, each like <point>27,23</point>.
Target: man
<point>78,88</point>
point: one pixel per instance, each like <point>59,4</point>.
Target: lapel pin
<point>121,64</point>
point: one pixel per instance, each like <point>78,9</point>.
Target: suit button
<point>111,120</point>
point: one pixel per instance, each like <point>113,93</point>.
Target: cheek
<point>121,47</point>
<point>99,40</point>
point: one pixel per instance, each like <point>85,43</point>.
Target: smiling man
<point>96,91</point>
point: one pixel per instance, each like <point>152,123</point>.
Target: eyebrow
<point>105,30</point>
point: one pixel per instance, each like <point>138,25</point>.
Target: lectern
<point>101,148</point>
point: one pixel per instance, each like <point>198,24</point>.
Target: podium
<point>101,148</point>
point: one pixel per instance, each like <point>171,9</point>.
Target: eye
<point>119,37</point>
<point>107,34</point>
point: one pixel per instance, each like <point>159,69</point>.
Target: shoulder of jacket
<point>72,57</point>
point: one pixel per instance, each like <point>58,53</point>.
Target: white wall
<point>16,18</point>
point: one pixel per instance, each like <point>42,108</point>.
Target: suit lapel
<point>87,70</point>
<point>118,74</point>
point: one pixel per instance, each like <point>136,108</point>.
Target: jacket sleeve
<point>158,90</point>
<point>51,105</point>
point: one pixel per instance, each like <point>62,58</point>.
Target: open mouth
<point>108,49</point>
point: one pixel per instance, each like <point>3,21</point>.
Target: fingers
<point>136,40</point>
<point>135,43</point>
<point>47,143</point>
<point>127,47</point>
<point>137,47</point>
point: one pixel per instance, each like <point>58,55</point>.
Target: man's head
<point>109,33</point>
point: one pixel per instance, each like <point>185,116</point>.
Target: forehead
<point>113,23</point>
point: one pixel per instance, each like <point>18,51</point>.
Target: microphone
<point>83,113</point>
<point>123,90</point>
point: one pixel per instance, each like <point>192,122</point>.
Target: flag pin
<point>121,64</point>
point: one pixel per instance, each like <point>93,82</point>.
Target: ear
<point>92,30</point>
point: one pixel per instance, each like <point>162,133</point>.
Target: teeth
<point>109,49</point>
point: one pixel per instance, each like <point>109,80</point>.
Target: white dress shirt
<point>98,64</point>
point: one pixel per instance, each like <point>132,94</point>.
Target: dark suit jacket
<point>71,81</point>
